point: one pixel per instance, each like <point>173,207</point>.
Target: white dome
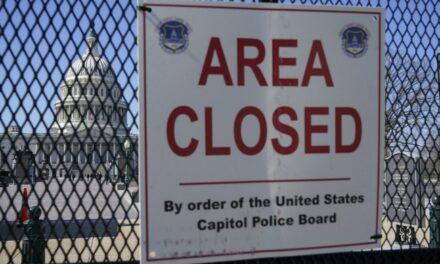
<point>91,64</point>
<point>91,97</point>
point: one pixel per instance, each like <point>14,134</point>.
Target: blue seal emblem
<point>354,40</point>
<point>173,35</point>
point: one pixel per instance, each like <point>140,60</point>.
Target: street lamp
<point>127,148</point>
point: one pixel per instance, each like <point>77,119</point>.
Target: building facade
<point>89,130</point>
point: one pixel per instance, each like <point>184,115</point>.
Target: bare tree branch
<point>408,91</point>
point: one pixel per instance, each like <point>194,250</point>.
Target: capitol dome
<point>90,95</point>
<point>91,64</point>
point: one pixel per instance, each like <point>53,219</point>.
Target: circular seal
<point>354,40</point>
<point>173,35</point>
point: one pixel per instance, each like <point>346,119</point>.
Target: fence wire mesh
<point>69,130</point>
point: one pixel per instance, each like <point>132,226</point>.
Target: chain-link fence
<point>69,132</point>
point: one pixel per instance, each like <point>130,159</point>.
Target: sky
<point>39,40</point>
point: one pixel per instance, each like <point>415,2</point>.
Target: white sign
<point>261,130</point>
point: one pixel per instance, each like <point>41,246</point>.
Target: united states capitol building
<point>89,130</point>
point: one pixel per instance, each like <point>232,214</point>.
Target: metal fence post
<point>434,223</point>
<point>438,68</point>
<point>33,242</point>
